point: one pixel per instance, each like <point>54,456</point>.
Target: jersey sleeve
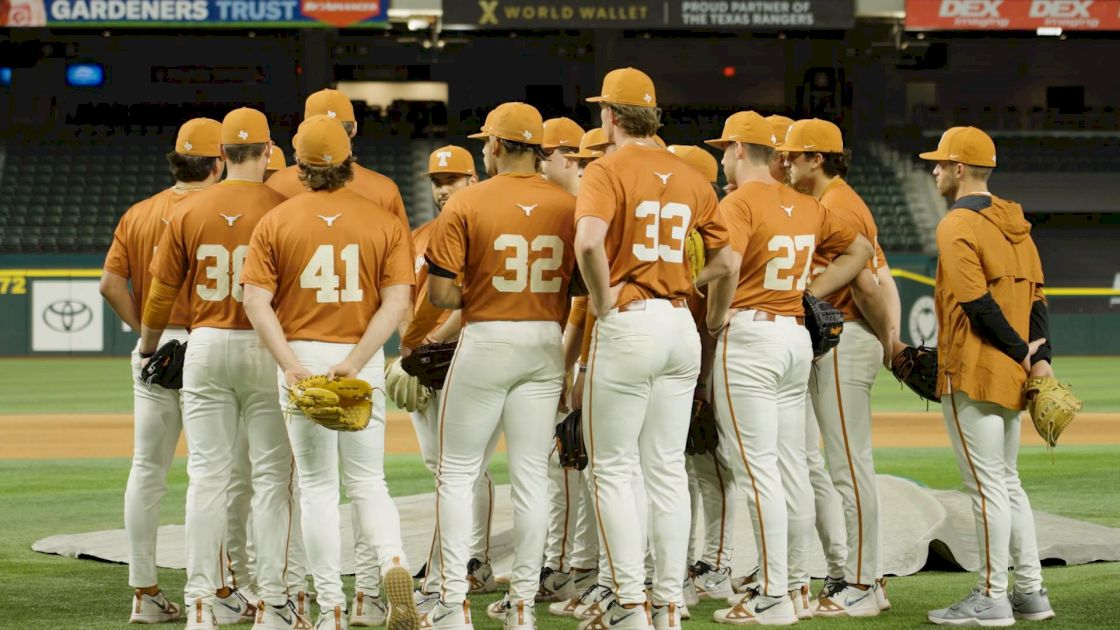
<point>709,220</point>
<point>736,217</point>
<point>447,248</point>
<point>398,267</point>
<point>116,260</point>
<point>169,265</point>
<point>578,311</point>
<point>598,196</point>
<point>260,266</point>
<point>960,260</point>
<point>835,234</point>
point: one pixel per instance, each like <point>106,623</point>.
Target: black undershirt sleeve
<point>988,322</point>
<point>1040,327</point>
<point>436,270</point>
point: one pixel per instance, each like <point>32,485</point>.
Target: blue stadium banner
<point>755,15</point>
<point>202,13</point>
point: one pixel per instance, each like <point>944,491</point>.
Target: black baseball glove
<point>429,363</point>
<point>703,436</point>
<point>824,322</point>
<point>569,442</point>
<point>917,368</point>
<point>165,367</point>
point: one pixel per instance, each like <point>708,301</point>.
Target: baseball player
<point>989,304</point>
<point>841,384</point>
<point>276,163</point>
<point>195,164</point>
<point>510,238</point>
<point>764,356</point>
<point>450,169</point>
<point>340,274</point>
<point>635,209</point>
<point>229,384</point>
<point>711,484</point>
<point>370,184</point>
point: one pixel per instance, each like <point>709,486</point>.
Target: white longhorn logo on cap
<point>332,114</point>
<point>774,138</point>
<point>187,145</point>
<point>326,157</point>
<point>528,134</point>
<point>647,98</point>
<point>244,135</point>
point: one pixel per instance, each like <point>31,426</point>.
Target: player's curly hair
<point>837,164</point>
<point>239,153</point>
<point>190,168</point>
<point>637,122</point>
<point>326,178</point>
<point>520,148</point>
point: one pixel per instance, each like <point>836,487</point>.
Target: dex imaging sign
<point>66,316</point>
<point>1013,15</point>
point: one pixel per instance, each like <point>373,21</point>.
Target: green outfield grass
<point>103,386</point>
<point>42,498</point>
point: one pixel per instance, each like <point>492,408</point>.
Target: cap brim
<point>597,99</point>
<point>430,173</point>
<point>718,143</point>
<point>934,156</point>
<point>581,155</point>
<point>482,135</point>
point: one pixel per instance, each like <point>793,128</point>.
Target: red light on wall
<point>729,71</point>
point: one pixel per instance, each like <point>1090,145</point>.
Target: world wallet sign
<point>652,14</point>
<point>1013,15</point>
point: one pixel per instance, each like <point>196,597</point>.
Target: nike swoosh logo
<point>561,585</point>
<point>440,618</point>
<point>287,620</point>
<point>614,621</point>
<point>852,602</point>
<point>236,609</point>
<point>761,609</point>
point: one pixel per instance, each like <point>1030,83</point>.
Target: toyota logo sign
<point>67,316</point>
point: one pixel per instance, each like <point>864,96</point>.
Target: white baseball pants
<point>229,386</point>
<point>239,551</point>
<point>564,498</point>
<point>425,421</point>
<point>715,500</point>
<point>840,385</point>
<point>636,402</point>
<point>319,452</point>
<point>985,438</point>
<point>158,421</point>
<point>760,378</point>
<point>506,375</point>
<point>831,528</point>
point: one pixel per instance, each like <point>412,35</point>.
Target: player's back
<point>845,202</point>
<point>651,199</point>
<point>330,254</point>
<point>514,233</point>
<point>372,185</point>
<point>778,231</point>
<point>213,232</point>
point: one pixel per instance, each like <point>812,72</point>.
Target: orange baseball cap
<point>627,86</point>
<point>330,103</point>
<point>590,145</point>
<point>516,122</point>
<point>245,126</point>
<point>746,127</point>
<point>697,158</point>
<point>322,141</point>
<point>561,132</point>
<point>276,161</point>
<point>813,135</point>
<point>967,145</point>
<point>451,159</point>
<point>199,137</point>
<point>659,142</point>
<point>781,125</point>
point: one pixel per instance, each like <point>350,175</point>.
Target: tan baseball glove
<point>404,389</point>
<point>1052,406</point>
<point>341,404</point>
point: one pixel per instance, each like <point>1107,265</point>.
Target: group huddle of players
<point>282,273</point>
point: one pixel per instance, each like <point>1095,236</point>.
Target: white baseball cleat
<point>688,593</point>
<point>367,610</point>
<point>1032,606</point>
<point>596,601</point>
<point>802,602</point>
<point>712,583</point>
<point>444,617</point>
<point>619,617</point>
<point>153,609</point>
<point>334,619</point>
<point>233,609</point>
<point>200,617</point>
<point>881,594</point>
<point>976,610</point>
<point>521,616</point>
<point>849,601</point>
<point>396,586</point>
<point>555,585</point>
<point>830,585</point>
<point>667,617</point>
<point>759,610</point>
<point>425,602</point>
<point>280,617</point>
<point>302,601</point>
<point>745,583</point>
<point>480,577</point>
<point>497,610</point>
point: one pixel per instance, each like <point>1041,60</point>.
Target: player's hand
<point>703,392</point>
<point>1042,369</point>
<point>577,391</point>
<point>342,369</point>
<point>715,327</point>
<point>295,375</point>
<point>1032,348</point>
<point>405,351</point>
<point>891,350</point>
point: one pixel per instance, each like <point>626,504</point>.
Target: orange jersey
<point>204,247</point>
<point>134,245</point>
<point>578,311</point>
<point>651,199</point>
<point>370,184</point>
<point>778,231</point>
<point>426,317</point>
<point>326,256</point>
<point>849,206</point>
<point>511,239</point>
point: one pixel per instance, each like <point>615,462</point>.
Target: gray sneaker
<point>975,610</point>
<point>1032,606</point>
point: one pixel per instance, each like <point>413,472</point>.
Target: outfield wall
<point>50,306</point>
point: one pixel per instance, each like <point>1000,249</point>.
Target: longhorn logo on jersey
<point>230,220</point>
<point>330,220</point>
<point>528,210</point>
<point>664,178</point>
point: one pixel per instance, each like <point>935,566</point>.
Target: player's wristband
<point>582,369</point>
<point>147,355</point>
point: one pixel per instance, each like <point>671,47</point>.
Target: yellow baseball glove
<point>341,404</point>
<point>1052,406</point>
<point>694,249</point>
<point>404,389</point>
